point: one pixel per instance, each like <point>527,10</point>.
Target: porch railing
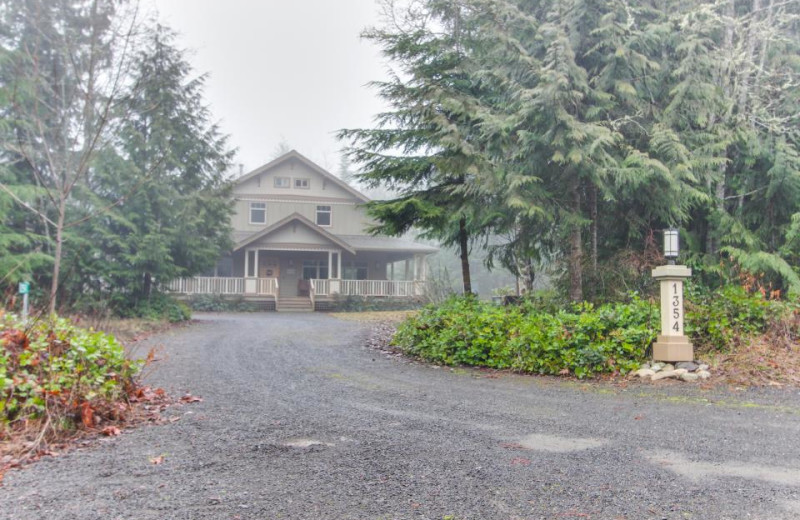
<point>207,285</point>
<point>224,286</point>
<point>380,288</point>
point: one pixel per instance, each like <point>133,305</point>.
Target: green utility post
<point>24,289</point>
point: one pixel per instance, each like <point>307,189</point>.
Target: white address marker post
<point>672,344</point>
<point>24,289</point>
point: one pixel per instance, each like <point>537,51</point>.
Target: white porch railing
<point>319,287</point>
<point>381,288</point>
<point>207,285</point>
<point>224,285</point>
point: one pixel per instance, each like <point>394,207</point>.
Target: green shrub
<point>363,304</point>
<point>158,307</point>
<point>582,339</point>
<point>730,316</point>
<point>219,303</point>
<point>58,370</point>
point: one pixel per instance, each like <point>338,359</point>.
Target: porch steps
<point>294,305</point>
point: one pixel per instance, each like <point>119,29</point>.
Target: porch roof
<point>387,244</point>
<point>297,218</point>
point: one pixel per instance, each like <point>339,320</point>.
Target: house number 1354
<point>676,308</point>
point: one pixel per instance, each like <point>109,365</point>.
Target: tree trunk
<point>576,251</point>
<point>593,215</point>
<point>148,286</point>
<point>530,275</point>
<point>463,239</point>
<point>62,210</point>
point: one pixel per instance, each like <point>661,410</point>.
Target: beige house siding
<point>346,218</point>
<point>294,234</point>
<point>292,169</point>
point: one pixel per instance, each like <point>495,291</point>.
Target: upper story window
<point>323,215</point>
<point>258,212</point>
<point>283,182</point>
<point>302,184</point>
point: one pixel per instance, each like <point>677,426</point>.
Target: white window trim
<point>288,184</point>
<point>329,212</point>
<point>306,179</point>
<point>250,213</point>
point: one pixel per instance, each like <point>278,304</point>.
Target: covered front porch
<point>298,265</point>
<point>303,278</point>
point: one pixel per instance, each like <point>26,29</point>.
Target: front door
<point>269,268</point>
<point>288,275</point>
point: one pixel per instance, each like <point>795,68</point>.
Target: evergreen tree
<point>169,168</point>
<point>424,148</point>
<point>64,69</point>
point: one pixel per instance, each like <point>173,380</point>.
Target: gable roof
<point>294,154</point>
<point>291,218</point>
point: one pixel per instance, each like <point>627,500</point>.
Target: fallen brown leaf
<point>189,398</point>
<point>111,431</point>
<point>157,460</point>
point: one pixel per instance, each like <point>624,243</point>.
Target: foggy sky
<point>282,70</point>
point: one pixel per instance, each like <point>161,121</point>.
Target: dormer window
<point>302,184</point>
<point>258,212</point>
<point>283,182</point>
<point>323,216</point>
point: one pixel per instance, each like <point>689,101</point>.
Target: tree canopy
<point>587,126</point>
<point>110,166</point>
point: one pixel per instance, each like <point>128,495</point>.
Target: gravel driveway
<point>299,421</point>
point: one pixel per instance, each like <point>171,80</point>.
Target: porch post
<point>391,270</point>
<point>424,266</point>
<point>330,264</point>
<point>246,262</point>
<point>339,265</point>
<point>405,276</point>
<point>255,271</point>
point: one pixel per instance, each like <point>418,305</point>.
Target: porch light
<point>671,245</point>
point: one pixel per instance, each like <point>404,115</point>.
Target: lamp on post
<point>671,245</point>
<point>672,344</point>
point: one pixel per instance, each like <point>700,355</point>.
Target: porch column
<point>330,265</point>
<point>255,271</point>
<point>246,262</point>
<point>424,266</point>
<point>339,265</point>
<point>391,270</point>
<point>405,276</point>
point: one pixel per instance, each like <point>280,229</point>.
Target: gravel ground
<point>300,421</point>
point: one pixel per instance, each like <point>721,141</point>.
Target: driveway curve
<point>301,421</point>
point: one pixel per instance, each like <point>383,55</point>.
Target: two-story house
<point>300,241</point>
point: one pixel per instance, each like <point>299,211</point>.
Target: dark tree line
<point>567,133</point>
<point>111,169</point>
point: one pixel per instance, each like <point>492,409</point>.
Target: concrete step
<point>294,305</point>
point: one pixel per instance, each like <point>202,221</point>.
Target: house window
<point>258,212</point>
<point>323,215</point>
<point>315,269</point>
<point>355,271</point>
<point>302,184</point>
<point>283,182</point>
